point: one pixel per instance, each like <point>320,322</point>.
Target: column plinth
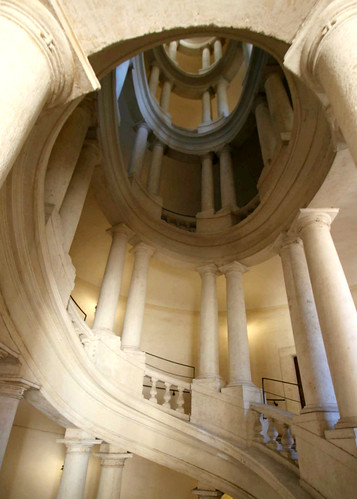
<point>134,315</point>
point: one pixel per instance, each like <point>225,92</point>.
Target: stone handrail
<point>272,431</point>
<point>170,384</point>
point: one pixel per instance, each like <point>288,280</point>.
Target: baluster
<point>167,396</point>
<point>153,391</point>
<point>287,442</point>
<point>258,428</point>
<point>180,400</point>
<point>273,433</point>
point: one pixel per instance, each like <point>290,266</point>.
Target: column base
<point>344,438</point>
<point>317,422</point>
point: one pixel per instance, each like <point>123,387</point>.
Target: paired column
<point>209,344</point>
<point>335,308</point>
<point>228,194</point>
<point>12,390</point>
<point>173,50</point>
<point>267,137</point>
<point>281,112</point>
<point>207,184</point>
<point>315,374</point>
<point>206,107</point>
<point>65,153</point>
<point>32,44</point>
<point>206,58</point>
<point>110,289</point>
<point>238,346</point>
<point>134,315</point>
<point>112,463</point>
<point>76,194</point>
<point>154,175</point>
<point>217,48</point>
<point>137,157</point>
<point>73,480</point>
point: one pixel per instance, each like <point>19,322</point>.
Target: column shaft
<point>110,289</point>
<point>206,58</point>
<point>154,79</point>
<point>222,101</point>
<point>207,185</point>
<point>206,107</point>
<point>76,194</point>
<point>154,177</point>
<point>137,156</point>
<point>315,374</point>
<point>335,307</point>
<point>217,47</point>
<point>228,194</point>
<point>209,346</point>
<point>280,108</point>
<point>112,466</point>
<point>238,346</point>
<point>65,153</point>
<point>24,51</point>
<point>165,95</point>
<point>173,50</point>
<point>267,137</point>
<point>134,315</point>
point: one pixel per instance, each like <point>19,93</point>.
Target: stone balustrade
<point>272,430</point>
<point>174,390</point>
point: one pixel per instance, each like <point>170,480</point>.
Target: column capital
<point>78,441</point>
<point>232,267</point>
<point>285,240</point>
<point>225,149</point>
<point>15,386</point>
<point>309,216</point>
<point>42,27</point>
<point>209,268</point>
<point>112,455</point>
<point>142,124</point>
<point>121,229</point>
<point>143,248</point>
<point>207,155</point>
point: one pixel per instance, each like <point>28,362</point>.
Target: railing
<point>281,397</point>
<point>170,364</point>
<point>178,406</point>
<point>186,222</point>
<point>79,308</point>
<point>272,432</point>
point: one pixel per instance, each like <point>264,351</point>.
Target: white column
<point>154,79</point>
<point>315,373</point>
<point>154,175</point>
<point>217,47</point>
<point>173,50</point>
<point>267,137</point>
<point>207,185</point>
<point>324,55</point>
<point>112,463</point>
<point>134,315</point>
<point>206,58</point>
<point>65,153</point>
<point>228,194</point>
<point>222,100</point>
<point>73,480</point>
<point>281,112</point>
<point>238,346</point>
<point>137,156</point>
<point>76,194</point>
<point>209,345</point>
<point>37,71</point>
<point>165,95</point>
<point>335,308</point>
<point>206,107</point>
<point>12,390</point>
<point>110,289</point>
